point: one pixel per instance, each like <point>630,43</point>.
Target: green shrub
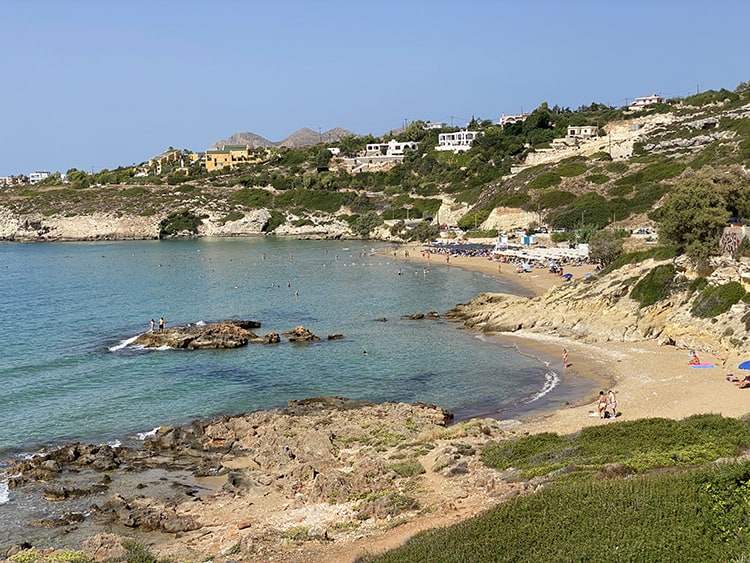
<point>617,167</point>
<point>544,180</point>
<point>597,178</point>
<point>234,215</point>
<point>474,218</point>
<point>133,192</point>
<point>571,168</point>
<point>552,198</point>
<point>717,299</point>
<point>253,198</point>
<point>654,286</point>
<point>693,516</point>
<point>407,468</point>
<point>179,221</point>
<point>277,218</point>
<point>657,253</point>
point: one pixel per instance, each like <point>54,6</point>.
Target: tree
<point>605,247</point>
<point>366,223</point>
<point>694,216</point>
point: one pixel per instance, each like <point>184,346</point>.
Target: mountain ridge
<point>301,138</point>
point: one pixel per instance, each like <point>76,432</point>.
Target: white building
<point>505,119</point>
<point>391,148</point>
<point>379,155</point>
<point>645,101</point>
<point>583,131</point>
<point>38,176</point>
<point>456,142</point>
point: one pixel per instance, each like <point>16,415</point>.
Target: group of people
<point>152,324</point>
<point>607,404</point>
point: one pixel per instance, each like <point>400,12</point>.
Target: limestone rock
<point>224,334</point>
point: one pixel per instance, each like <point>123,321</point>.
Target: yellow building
<point>167,158</point>
<point>229,155</point>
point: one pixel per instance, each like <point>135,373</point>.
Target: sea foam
<point>551,380</point>
<point>123,343</point>
<point>4,492</point>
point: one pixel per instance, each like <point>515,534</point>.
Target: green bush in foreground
<point>689,515</point>
<point>694,516</point>
<point>637,446</point>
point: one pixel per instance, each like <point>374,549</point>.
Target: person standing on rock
<point>161,324</point>
<point>152,324</point>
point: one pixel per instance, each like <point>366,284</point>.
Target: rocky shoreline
<point>321,474</point>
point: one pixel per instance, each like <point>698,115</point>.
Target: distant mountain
<point>302,138</point>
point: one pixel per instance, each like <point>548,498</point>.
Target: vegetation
<point>581,194</point>
<point>654,286</point>
<point>694,509</point>
<point>178,222</point>
<point>717,299</point>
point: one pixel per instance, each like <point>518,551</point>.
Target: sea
<point>70,311</point>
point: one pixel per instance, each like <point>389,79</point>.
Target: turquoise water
<point>67,308</point>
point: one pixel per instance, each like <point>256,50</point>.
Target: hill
<point>301,138</point>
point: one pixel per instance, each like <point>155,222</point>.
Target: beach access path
<point>650,380</point>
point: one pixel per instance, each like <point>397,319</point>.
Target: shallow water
<point>69,307</point>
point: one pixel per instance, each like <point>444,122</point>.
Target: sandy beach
<point>650,380</point>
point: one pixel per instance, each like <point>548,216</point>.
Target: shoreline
<point>581,377</point>
<point>651,380</point>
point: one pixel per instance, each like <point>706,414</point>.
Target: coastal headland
<point>333,479</point>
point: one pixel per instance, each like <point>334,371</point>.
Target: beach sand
<point>650,380</point>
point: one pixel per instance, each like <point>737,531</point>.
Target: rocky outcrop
<point>601,310</point>
<point>225,334</point>
<point>95,226</point>
<point>327,465</point>
<point>301,334</point>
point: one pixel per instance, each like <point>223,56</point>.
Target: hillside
<point>519,176</point>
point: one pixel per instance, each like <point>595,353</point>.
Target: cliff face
<point>36,227</point>
<point>600,309</point>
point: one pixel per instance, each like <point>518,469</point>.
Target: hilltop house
<point>377,155</point>
<point>645,101</point>
<point>456,142</point>
<point>506,119</point>
<point>582,132</point>
<point>229,155</point>
<point>38,176</point>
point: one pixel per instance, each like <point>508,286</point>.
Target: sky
<point>94,84</point>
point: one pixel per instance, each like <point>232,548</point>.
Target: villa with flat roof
<point>456,142</point>
<point>645,101</point>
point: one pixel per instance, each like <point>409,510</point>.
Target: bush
<point>407,468</point>
<point>717,299</point>
<point>597,178</point>
<point>253,198</point>
<point>178,222</point>
<point>571,168</point>
<point>544,180</point>
<point>277,218</point>
<point>552,198</point>
<point>232,216</point>
<point>654,286</point>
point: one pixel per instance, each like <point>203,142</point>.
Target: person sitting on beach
<point>602,405</point>
<point>612,402</point>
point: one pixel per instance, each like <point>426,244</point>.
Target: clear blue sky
<point>101,83</point>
